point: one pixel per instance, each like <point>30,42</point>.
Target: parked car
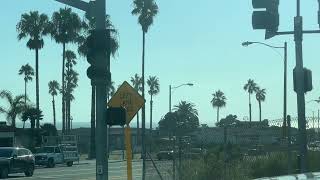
<point>16,160</point>
<point>165,155</point>
<point>52,155</point>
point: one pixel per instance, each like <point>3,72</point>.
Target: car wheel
<point>4,173</point>
<point>29,171</point>
<point>51,163</point>
<point>69,164</point>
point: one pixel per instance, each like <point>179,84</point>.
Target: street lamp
<point>245,44</point>
<point>170,90</point>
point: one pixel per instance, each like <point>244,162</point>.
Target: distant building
<point>239,135</point>
<point>116,138</point>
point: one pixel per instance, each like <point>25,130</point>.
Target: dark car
<point>16,160</point>
<point>165,155</point>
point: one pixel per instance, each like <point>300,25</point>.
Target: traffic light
<point>307,73</point>
<point>96,46</point>
<point>267,19</point>
<point>116,116</point>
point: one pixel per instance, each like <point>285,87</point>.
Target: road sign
<point>127,97</point>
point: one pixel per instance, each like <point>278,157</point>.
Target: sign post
<point>128,98</point>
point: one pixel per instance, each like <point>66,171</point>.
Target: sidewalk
<point>305,176</point>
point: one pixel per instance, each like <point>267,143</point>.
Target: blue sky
<point>191,41</point>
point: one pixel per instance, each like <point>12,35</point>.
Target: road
<point>86,171</point>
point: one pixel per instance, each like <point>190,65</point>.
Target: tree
<point>34,26</point>
<point>250,87</point>
<point>218,101</point>
<point>65,28</point>
<point>154,89</point>
<point>49,130</point>
<point>27,71</point>
<point>54,87</point>
<point>260,96</point>
<point>88,25</point>
<point>229,121</point>
<point>15,106</point>
<point>146,10</point>
<point>71,78</point>
<point>137,85</point>
<point>168,124</point>
<point>188,119</point>
<point>32,114</point>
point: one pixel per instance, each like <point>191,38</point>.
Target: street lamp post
<point>174,143</point>
<point>170,91</point>
<point>284,73</point>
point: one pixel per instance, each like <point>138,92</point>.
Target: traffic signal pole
<point>100,76</point>
<point>300,90</point>
<point>269,20</point>
<point>101,88</point>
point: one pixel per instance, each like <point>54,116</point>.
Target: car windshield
<point>5,152</point>
<point>45,150</point>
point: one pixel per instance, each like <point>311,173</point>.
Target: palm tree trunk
<point>14,122</point>
<point>250,107</point>
<point>259,110</point>
<point>218,109</point>
<point>68,116</point>
<point>25,93</point>
<point>151,102</point>
<point>37,86</point>
<point>23,124</point>
<point>63,89</point>
<point>143,107</point>
<point>54,111</point>
<point>32,123</point>
<point>92,153</point>
<point>150,142</point>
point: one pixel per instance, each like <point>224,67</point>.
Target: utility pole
<point>99,73</point>
<point>285,82</point>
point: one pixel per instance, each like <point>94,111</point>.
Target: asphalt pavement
<point>86,170</point>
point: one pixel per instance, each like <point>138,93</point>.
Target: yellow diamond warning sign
<point>127,97</point>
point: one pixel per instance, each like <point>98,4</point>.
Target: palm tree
<point>146,10</point>
<point>137,85</point>
<point>71,78</point>
<point>218,101</point>
<point>32,114</point>
<point>72,83</point>
<point>15,108</point>
<point>112,37</point>
<point>187,116</point>
<point>260,96</point>
<point>154,89</point>
<point>54,87</point>
<point>34,26</point>
<point>27,71</point>
<point>65,28</point>
<point>187,108</point>
<point>250,87</point>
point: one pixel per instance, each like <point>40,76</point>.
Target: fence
<point>242,151</point>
